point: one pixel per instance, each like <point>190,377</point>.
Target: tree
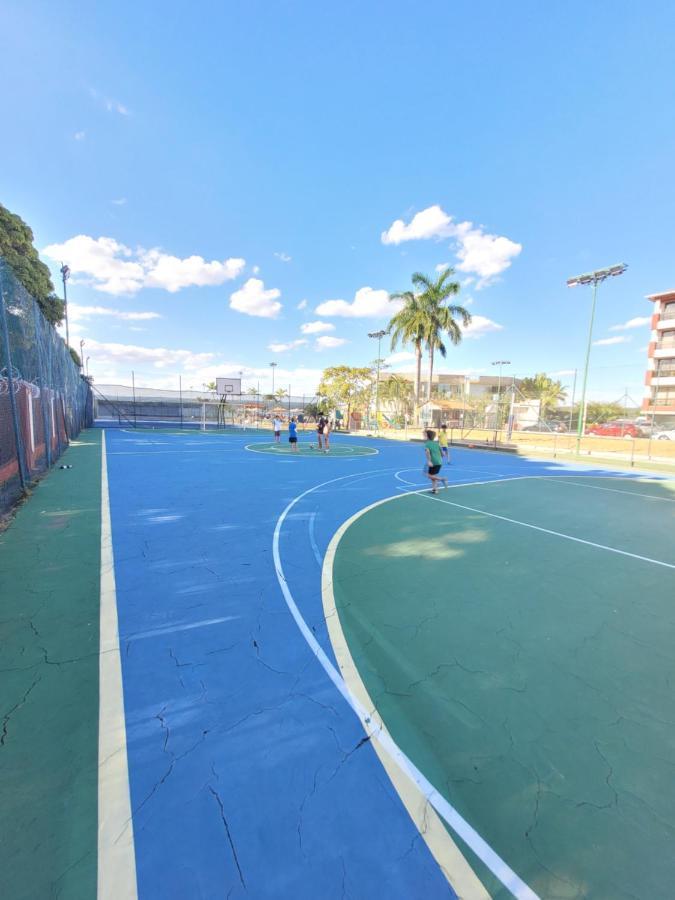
<point>596,413</point>
<point>399,391</point>
<point>346,386</point>
<point>16,247</point>
<point>210,385</point>
<point>75,356</point>
<point>549,392</point>
<point>408,327</point>
<point>440,318</point>
<point>280,393</point>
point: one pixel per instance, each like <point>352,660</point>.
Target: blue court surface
<point>250,771</point>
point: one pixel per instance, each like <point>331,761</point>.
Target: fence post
<point>10,384</point>
<point>43,395</point>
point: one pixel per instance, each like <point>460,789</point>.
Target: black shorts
<point>277,434</point>
<point>434,470</point>
<point>292,440</point>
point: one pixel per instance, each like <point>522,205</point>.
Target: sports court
<point>328,683</point>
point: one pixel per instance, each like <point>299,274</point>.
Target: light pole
<point>593,278</point>
<point>379,335</point>
<point>273,367</point>
<point>81,357</point>
<point>87,367</point>
<point>500,363</point>
<point>65,275</point>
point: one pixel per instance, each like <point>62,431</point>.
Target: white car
<point>665,435</point>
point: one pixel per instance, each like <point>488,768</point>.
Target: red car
<point>618,428</point>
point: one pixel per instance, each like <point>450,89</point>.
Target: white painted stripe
<point>560,534</point>
<point>444,850</point>
<point>596,487</point>
<point>312,539</point>
<point>116,856</point>
<point>375,731</point>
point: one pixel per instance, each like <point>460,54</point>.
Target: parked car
<point>617,428</point>
<point>667,435</point>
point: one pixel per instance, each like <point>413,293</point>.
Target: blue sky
<point>204,162</point>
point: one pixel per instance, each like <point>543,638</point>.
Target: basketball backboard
<point>228,386</point>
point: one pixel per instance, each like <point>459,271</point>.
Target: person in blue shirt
<point>293,435</point>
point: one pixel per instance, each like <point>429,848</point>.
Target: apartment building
<point>659,397</point>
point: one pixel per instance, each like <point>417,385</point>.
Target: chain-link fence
<point>135,406</point>
<point>44,401</point>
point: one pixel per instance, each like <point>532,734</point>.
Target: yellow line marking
<point>116,855</point>
<point>452,863</point>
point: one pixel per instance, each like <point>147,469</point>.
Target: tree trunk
<point>431,369</point>
<point>418,374</point>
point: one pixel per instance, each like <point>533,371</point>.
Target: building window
<point>665,368</point>
<point>668,311</point>
<point>664,397</point>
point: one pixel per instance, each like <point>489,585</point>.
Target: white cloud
<point>256,270</point>
<point>606,342</point>
<point>253,300</point>
<point>397,358</point>
<point>116,106</point>
<point>479,253</point>
<point>172,273</point>
<point>316,327</point>
<point>113,268</point>
<point>367,303</point>
<point>486,255</point>
<point>326,342</point>
<point>637,322</point>
<point>282,348</point>
<point>441,267</point>
<point>77,312</point>
<point>284,257</point>
<point>156,357</point>
<point>302,305</point>
<point>120,201</point>
<point>481,326</point>
<point>430,223</point>
<point>79,135</point>
<point>563,373</point>
<point>465,301</point>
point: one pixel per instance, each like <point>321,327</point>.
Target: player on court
<point>293,435</point>
<point>277,429</point>
<point>443,444</point>
<point>434,460</point>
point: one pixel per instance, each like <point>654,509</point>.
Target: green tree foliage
<point>75,356</point>
<point>346,386</point>
<point>407,326</point>
<point>440,317</point>
<point>597,413</point>
<point>549,392</point>
<point>16,247</point>
<point>399,392</point>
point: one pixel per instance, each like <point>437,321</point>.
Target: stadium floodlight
<point>273,366</point>
<point>593,278</point>
<point>378,335</point>
<point>65,275</point>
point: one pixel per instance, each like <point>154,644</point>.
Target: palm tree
<point>549,392</point>
<point>408,326</point>
<point>439,318</point>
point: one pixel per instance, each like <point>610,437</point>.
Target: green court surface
<point>49,584</point>
<point>310,448</point>
<point>526,667</point>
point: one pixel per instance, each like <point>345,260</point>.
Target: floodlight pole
<point>273,367</point>
<point>65,275</point>
<point>594,279</point>
<point>379,335</point>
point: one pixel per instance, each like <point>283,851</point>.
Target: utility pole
<point>594,279</point>
<point>65,275</point>
<point>379,335</point>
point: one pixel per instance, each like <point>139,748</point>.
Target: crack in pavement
<point>229,835</point>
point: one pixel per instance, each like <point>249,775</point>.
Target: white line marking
<point>172,629</point>
<point>312,539</point>
<point>567,537</point>
<point>116,856</point>
<point>596,487</point>
<point>375,731</point>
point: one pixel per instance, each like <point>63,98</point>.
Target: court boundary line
<point>596,487</point>
<point>376,731</point>
<point>116,870</point>
<point>568,537</point>
<point>370,451</point>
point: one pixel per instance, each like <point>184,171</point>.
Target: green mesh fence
<point>44,401</point>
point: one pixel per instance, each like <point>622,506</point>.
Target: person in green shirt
<point>434,460</point>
